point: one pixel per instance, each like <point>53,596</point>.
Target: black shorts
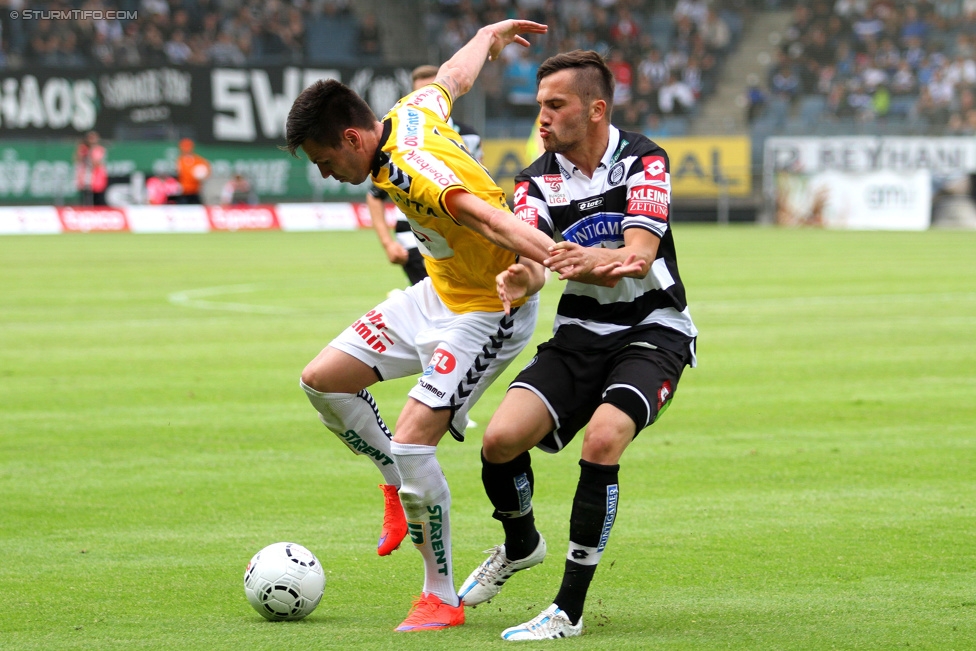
<point>638,376</point>
<point>414,267</point>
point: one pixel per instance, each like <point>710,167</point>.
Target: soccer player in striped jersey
<point>452,328</point>
<point>618,349</point>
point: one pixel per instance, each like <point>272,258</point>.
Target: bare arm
<point>395,252</point>
<point>458,73</point>
<point>498,226</point>
<point>605,266</point>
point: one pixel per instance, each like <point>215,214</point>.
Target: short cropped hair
<point>424,72</point>
<point>593,79</point>
<point>322,112</point>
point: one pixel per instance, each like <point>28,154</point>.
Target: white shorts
<point>459,355</point>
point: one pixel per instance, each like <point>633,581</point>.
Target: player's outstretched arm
<point>498,226</point>
<point>599,266</point>
<point>458,73</point>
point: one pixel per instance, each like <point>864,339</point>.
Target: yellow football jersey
<point>420,160</point>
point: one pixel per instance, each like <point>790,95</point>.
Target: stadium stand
<point>875,68</point>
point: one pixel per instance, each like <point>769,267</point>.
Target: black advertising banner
<point>214,105</point>
<point>47,103</point>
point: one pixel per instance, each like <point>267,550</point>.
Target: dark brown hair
<point>593,79</point>
<point>322,112</point>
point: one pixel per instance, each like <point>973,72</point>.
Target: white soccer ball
<point>284,581</point>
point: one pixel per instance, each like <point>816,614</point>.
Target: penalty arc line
<point>195,298</point>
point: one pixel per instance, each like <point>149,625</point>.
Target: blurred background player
<point>191,171</point>
<point>403,249</point>
<point>91,173</point>
<point>237,191</point>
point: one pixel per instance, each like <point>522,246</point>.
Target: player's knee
<point>606,439</point>
<point>313,377</point>
<point>413,503</point>
<point>502,443</point>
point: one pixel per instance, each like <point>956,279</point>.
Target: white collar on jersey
<point>608,155</point>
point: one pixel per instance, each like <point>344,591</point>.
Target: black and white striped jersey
<point>631,188</point>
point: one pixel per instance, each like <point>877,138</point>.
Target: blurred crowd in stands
<point>910,66</point>
<point>170,32</point>
<point>665,56</point>
<point>841,63</point>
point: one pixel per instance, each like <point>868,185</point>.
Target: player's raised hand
<point>512,284</point>
<point>507,31</point>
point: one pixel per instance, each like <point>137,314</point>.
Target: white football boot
<point>551,624</point>
<point>487,580</point>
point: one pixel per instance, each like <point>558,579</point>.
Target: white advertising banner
<point>168,219</point>
<point>882,200</point>
<point>941,156</point>
<point>862,182</point>
<point>317,217</point>
<point>24,220</point>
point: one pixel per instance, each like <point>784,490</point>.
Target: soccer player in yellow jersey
<point>452,328</point>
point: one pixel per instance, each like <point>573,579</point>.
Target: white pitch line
<point>192,298</point>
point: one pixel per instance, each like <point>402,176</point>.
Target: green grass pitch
<point>812,487</point>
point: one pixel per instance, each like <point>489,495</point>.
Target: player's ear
<point>353,137</point>
<point>598,109</point>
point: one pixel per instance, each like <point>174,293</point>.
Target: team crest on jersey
<point>521,194</point>
<point>553,187</point>
<point>654,168</point>
<point>617,174</point>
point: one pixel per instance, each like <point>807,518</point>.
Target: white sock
<point>356,420</point>
<point>426,500</point>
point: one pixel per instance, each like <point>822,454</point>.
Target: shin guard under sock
<point>594,510</point>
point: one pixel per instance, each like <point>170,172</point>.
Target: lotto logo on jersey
<point>649,201</point>
<point>521,194</point>
<point>654,168</point>
<point>528,214</point>
<point>441,362</point>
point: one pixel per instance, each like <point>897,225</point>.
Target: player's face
<point>563,119</point>
<point>346,163</point>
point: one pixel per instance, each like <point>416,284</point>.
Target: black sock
<point>594,509</point>
<point>509,487</point>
